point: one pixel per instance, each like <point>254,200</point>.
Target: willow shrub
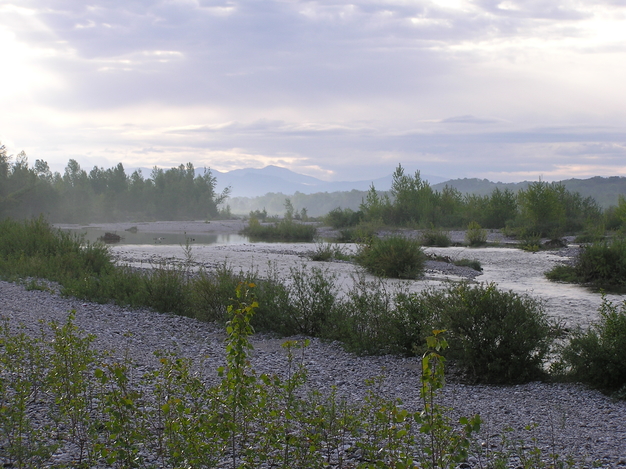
<point>600,265</point>
<point>394,257</point>
<point>497,336</point>
<point>597,356</point>
<point>285,230</point>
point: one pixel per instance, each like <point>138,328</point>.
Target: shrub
<point>365,321</point>
<point>600,265</point>
<point>326,252</point>
<point>312,296</point>
<point>471,263</point>
<point>285,230</point>
<point>361,233</point>
<point>475,235</point>
<point>597,356</point>
<point>498,337</point>
<point>603,264</point>
<point>435,237</point>
<point>530,241</point>
<point>343,218</point>
<point>395,257</point>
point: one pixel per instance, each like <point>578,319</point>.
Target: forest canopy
<point>78,196</point>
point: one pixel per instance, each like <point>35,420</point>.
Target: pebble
<point>567,418</point>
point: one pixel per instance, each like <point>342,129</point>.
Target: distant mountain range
<point>251,182</point>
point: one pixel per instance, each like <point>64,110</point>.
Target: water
<point>524,273</point>
<point>158,238</point>
<point>511,269</point>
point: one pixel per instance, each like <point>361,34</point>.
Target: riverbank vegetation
<point>600,265</point>
<point>484,322</point>
<point>288,228</point>
<point>96,411</point>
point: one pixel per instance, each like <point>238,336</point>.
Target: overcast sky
<point>505,90</point>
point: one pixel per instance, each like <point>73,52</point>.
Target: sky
<point>505,90</point>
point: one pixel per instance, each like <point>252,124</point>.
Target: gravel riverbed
<point>569,418</point>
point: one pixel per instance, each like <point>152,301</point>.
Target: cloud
<point>468,119</point>
<point>455,87</point>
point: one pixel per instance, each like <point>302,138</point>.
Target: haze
<point>505,90</point>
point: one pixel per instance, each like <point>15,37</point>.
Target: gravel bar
<point>569,418</point>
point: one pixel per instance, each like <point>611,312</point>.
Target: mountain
<point>251,182</point>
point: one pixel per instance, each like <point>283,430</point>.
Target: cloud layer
<point>507,90</point>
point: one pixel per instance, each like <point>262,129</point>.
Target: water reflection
<point>135,237</point>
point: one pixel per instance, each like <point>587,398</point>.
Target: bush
<point>603,264</point>
<point>498,337</point>
<point>597,356</point>
<point>475,235</point>
<point>395,257</point>
<point>326,252</point>
<point>361,233</point>
<point>365,321</point>
<point>599,265</point>
<point>435,237</point>
<point>338,218</point>
<point>285,230</point>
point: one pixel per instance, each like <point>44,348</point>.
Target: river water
<point>510,268</point>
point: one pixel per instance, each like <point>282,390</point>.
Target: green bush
<point>497,336</point>
<point>599,265</point>
<point>435,237</point>
<point>285,230</point>
<point>361,233</point>
<point>343,218</point>
<point>326,252</point>
<point>475,235</point>
<point>471,263</point>
<point>395,257</point>
<point>597,356</point>
<point>365,321</point>
<point>603,264</point>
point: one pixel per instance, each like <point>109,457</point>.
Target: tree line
<point>544,209</point>
<point>104,194</point>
